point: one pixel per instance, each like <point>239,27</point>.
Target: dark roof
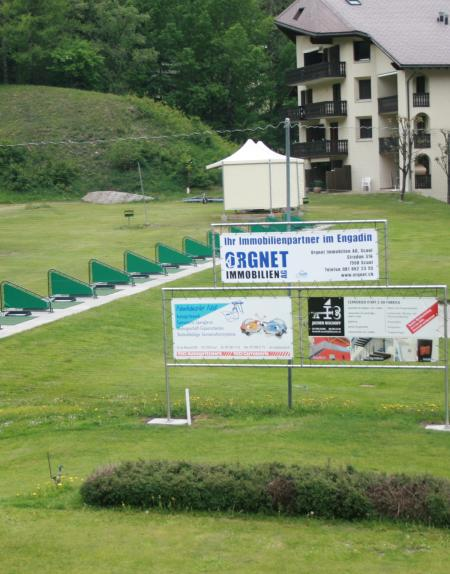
<point>406,30</point>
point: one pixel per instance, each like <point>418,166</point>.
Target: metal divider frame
<point>380,225</point>
<point>299,297</point>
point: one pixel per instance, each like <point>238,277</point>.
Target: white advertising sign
<point>374,328</point>
<point>392,317</point>
<point>300,256</point>
<point>238,328</point>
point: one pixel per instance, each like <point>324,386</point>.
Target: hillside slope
<point>98,141</point>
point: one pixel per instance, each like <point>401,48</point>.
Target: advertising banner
<point>232,328</point>
<point>374,328</point>
<point>300,256</point>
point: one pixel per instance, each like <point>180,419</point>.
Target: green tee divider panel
<point>297,222</point>
<point>236,229</point>
<point>100,272</point>
<point>61,284</point>
<point>169,256</point>
<point>210,237</point>
<point>197,248</point>
<point>293,218</point>
<point>260,228</point>
<point>135,263</point>
<point>16,297</point>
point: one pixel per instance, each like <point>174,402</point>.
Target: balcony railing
<point>388,145</point>
<point>423,181</point>
<point>421,100</point>
<point>315,72</point>
<point>388,105</point>
<point>318,110</point>
<point>294,114</point>
<point>321,148</point>
<point>422,140</point>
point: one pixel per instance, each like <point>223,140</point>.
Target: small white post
<point>188,408</point>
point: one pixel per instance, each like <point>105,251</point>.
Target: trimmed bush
<point>269,489</point>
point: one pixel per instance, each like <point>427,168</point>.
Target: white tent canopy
<point>254,177</point>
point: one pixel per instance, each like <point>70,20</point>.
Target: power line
<point>145,137</point>
<point>254,129</point>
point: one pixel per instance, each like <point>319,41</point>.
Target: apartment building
<point>363,65</point>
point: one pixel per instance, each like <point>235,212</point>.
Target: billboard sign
<point>313,255</point>
<point>374,328</point>
<point>253,328</point>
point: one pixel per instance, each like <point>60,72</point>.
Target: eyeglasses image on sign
<point>237,307</point>
<point>275,327</point>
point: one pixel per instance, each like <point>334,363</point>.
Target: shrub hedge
<point>270,488</point>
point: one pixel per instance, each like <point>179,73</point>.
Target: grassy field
<point>82,388</point>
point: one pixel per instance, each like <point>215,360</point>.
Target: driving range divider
<point>23,300</point>
<point>291,327</point>
<point>171,257</point>
<point>62,285</point>
<point>139,266</point>
<point>104,274</point>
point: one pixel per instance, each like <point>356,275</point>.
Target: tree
<point>213,60</point>
<point>76,63</point>
<point>114,30</point>
<point>443,160</point>
<point>404,148</point>
<point>30,29</point>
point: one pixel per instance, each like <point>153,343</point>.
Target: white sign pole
<point>188,407</point>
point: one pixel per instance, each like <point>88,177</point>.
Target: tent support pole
<point>287,127</point>
<point>270,187</point>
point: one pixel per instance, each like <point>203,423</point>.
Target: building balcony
<point>315,72</point>
<point>321,148</point>
<point>423,181</point>
<point>388,145</point>
<point>422,140</point>
<point>421,100</point>
<point>318,110</point>
<point>388,105</point>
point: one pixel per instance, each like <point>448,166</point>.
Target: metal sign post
<point>146,223</point>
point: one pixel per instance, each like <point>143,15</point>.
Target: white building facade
<point>363,65</point>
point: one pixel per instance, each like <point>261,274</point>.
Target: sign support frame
<point>292,364</point>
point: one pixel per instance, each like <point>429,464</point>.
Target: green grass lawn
<point>82,388</point>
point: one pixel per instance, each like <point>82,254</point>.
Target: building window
<point>306,97</point>
<point>420,85</point>
<point>336,92</point>
<point>361,50</point>
<point>365,128</point>
<point>365,89</point>
<point>354,2</point>
<point>298,13</point>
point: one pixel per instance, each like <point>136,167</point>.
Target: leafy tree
<point>76,63</point>
<point>212,58</point>
<point>443,160</point>
<point>30,29</point>
<point>114,42</point>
